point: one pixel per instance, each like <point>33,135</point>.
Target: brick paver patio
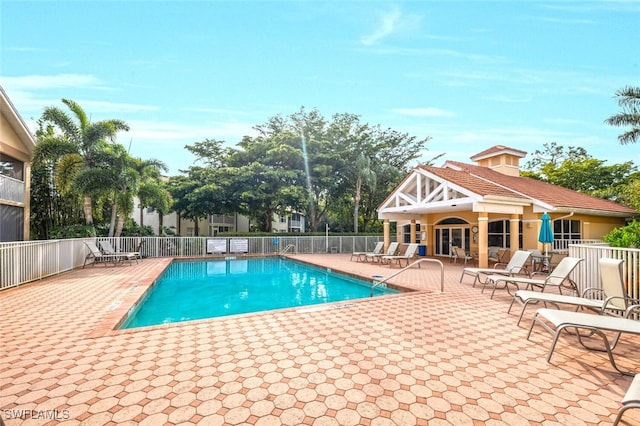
<point>417,358</point>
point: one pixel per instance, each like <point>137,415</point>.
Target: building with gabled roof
<point>477,207</point>
<point>16,146</point>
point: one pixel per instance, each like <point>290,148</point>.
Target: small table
<point>542,260</point>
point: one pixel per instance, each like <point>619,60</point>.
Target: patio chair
<point>362,255</point>
<point>517,264</point>
<point>555,321</point>
<point>497,255</point>
<point>459,253</point>
<point>99,257</point>
<point>391,251</point>
<point>409,254</point>
<point>612,295</point>
<point>107,248</point>
<point>631,399</point>
<point>557,278</point>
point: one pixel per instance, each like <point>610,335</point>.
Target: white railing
<point>563,245</point>
<point>11,189</point>
<point>587,274</point>
<point>25,261</point>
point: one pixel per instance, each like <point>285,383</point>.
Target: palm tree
<point>629,101</point>
<point>77,169</point>
<point>364,176</point>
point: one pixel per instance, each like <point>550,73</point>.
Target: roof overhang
<point>17,123</point>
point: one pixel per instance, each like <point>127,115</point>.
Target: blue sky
<point>468,74</point>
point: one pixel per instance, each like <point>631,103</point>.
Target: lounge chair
<point>409,254</point>
<point>459,253</point>
<point>99,257</point>
<point>558,278</point>
<point>362,255</point>
<point>555,320</point>
<point>107,248</point>
<point>516,265</point>
<point>631,399</point>
<point>391,251</point>
<point>612,295</point>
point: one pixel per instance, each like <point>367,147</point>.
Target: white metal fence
<point>22,262</point>
<point>587,274</point>
<point>26,261</point>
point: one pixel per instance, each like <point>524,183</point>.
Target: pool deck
<point>424,357</point>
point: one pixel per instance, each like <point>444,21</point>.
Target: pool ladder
<point>286,249</point>
<point>417,262</point>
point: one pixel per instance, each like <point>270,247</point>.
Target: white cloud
<point>31,82</point>
<point>423,112</point>
<point>386,26</point>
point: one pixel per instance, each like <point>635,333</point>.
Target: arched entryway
<point>449,232</point>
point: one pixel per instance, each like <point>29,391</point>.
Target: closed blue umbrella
<point>546,233</point>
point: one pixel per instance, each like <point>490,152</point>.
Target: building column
<point>514,227</point>
<point>412,228</point>
<point>483,240</point>
<point>387,239</point>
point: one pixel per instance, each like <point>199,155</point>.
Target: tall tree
<point>629,101</point>
<point>77,168</point>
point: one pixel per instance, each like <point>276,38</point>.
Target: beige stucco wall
<point>592,227</point>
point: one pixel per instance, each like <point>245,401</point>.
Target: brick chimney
<point>501,159</point>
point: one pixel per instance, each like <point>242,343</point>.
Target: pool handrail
<point>417,262</point>
<point>286,249</point>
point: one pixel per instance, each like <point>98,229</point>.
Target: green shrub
<point>626,237</point>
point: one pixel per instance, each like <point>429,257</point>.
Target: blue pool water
<point>190,290</point>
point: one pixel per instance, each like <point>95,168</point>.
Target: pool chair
<point>409,254</point>
<point>362,255</point>
<point>631,399</point>
<point>99,257</point>
<point>558,278</point>
<point>517,265</point>
<point>555,321</point>
<point>612,295</point>
<point>391,251</point>
<point>107,248</point>
<point>459,253</point>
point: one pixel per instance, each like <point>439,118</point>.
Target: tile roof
<point>484,181</point>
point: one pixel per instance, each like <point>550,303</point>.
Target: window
<point>283,219</point>
<point>406,231</point>
<point>150,210</point>
<point>499,233</point>
<point>566,229</point>
<point>11,167</point>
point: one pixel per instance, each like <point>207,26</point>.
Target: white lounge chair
<point>362,255</point>
<point>409,254</point>
<point>631,399</point>
<point>558,278</point>
<point>517,264</point>
<point>100,257</point>
<point>555,320</point>
<point>391,251</point>
<point>107,248</point>
<point>612,295</point>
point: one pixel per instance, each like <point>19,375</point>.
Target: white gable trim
<point>424,191</point>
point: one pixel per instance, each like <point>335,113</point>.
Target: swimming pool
<point>190,290</point>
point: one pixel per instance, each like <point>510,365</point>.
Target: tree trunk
<point>356,207</point>
<point>88,214</point>
<point>120,226</point>
<point>142,215</point>
<point>160,223</point>
<point>112,222</point>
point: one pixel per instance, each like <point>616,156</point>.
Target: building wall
<point>591,227</point>
<point>16,223</point>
